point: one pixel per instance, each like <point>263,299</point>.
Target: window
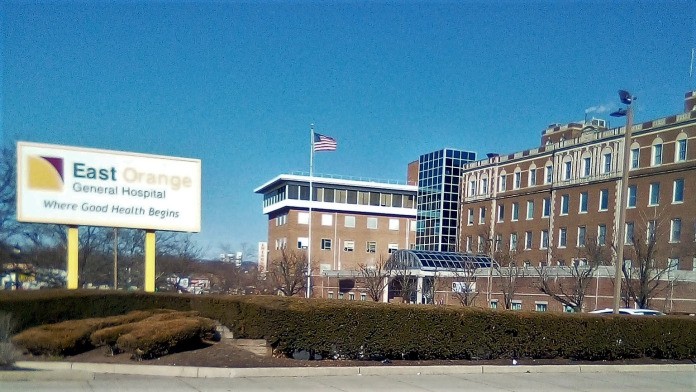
<point>363,296</point>
<point>516,305</point>
<point>302,242</point>
<point>544,239</point>
<point>562,237</point>
<point>654,194</point>
<point>470,217</point>
<point>567,170</point>
<point>528,240</point>
<point>672,264</point>
<point>484,186</point>
<point>482,215</point>
<point>635,158</point>
<point>498,242</point>
<point>501,212</point>
<point>371,247</point>
<point>472,188</point>
<point>583,202</point>
<point>678,191</point>
<point>586,166</point>
<point>503,183</point>
<point>468,243</point>
<point>391,248</point>
<point>327,220</point>
<point>657,154</point>
<point>349,221</point>
<point>568,309</point>
<point>393,224</point>
<point>515,211</point>
<point>532,177</point>
<point>281,243</point>
<point>680,153</point>
<point>281,219</point>
<point>650,233</point>
<point>530,209</point>
<point>348,246</point>
<point>632,195</point>
<point>480,246</point>
<point>546,207</point>
<point>581,236</point>
<point>601,235</point>
<point>548,174</point>
<point>517,180</point>
<point>331,294</point>
<point>541,306</point>
<point>603,199</point>
<point>340,295</point>
<point>565,201</point>
<point>303,218</point>
<point>675,230</point>
<point>628,239</point>
<point>606,163</point>
<point>513,241</point>
<point>326,244</point>
<point>372,223</point>
<point>493,304</point>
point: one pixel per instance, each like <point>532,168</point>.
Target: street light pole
<point>627,99</point>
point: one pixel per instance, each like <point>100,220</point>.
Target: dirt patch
<point>225,354</point>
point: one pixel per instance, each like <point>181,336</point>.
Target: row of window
<point>327,244</point>
<point>517,305</point>
<point>631,202</point>
<point>351,296</point>
<point>675,236</point>
<point>342,196</point>
<point>482,187</point>
<point>348,221</point>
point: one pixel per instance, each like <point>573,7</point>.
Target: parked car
<point>629,311</point>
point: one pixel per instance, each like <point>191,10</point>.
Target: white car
<point>629,311</point>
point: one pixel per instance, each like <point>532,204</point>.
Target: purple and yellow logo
<point>46,173</point>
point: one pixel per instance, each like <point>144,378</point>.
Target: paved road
<point>536,382</point>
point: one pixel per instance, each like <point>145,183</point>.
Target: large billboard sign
<point>80,186</point>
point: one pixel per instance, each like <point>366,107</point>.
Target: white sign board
<point>80,186</point>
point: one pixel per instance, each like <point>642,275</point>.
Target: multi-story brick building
<point>352,222</point>
<point>549,205</point>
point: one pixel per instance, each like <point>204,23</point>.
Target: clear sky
<point>237,84</point>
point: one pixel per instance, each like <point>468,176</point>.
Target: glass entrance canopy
<point>428,260</point>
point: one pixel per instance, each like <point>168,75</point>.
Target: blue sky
<point>237,84</point>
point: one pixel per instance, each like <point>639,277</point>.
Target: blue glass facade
<point>439,174</point>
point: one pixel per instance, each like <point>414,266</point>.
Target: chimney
<point>689,101</point>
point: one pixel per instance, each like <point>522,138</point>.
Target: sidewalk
<point>85,371</point>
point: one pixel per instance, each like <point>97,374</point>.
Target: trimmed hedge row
<point>347,329</point>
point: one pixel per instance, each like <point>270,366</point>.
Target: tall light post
<point>627,99</point>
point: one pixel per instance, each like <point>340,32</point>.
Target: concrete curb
<point>45,375</point>
<point>83,370</point>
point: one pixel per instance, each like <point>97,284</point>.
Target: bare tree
<point>464,284</point>
<point>508,273</point>
<point>569,284</point>
<point>289,272</point>
<point>7,194</point>
<point>375,277</point>
<point>404,283</point>
<point>643,274</point>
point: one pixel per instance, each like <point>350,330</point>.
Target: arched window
<point>635,155</point>
<point>656,156</point>
<point>680,146</point>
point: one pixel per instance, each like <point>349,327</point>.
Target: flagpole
<point>311,175</point>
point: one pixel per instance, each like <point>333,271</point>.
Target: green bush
<point>109,335</point>
<point>69,337</point>
<point>152,339</point>
<point>349,329</point>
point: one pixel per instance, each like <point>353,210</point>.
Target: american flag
<point>324,143</point>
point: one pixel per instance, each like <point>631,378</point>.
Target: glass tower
<point>439,174</point>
